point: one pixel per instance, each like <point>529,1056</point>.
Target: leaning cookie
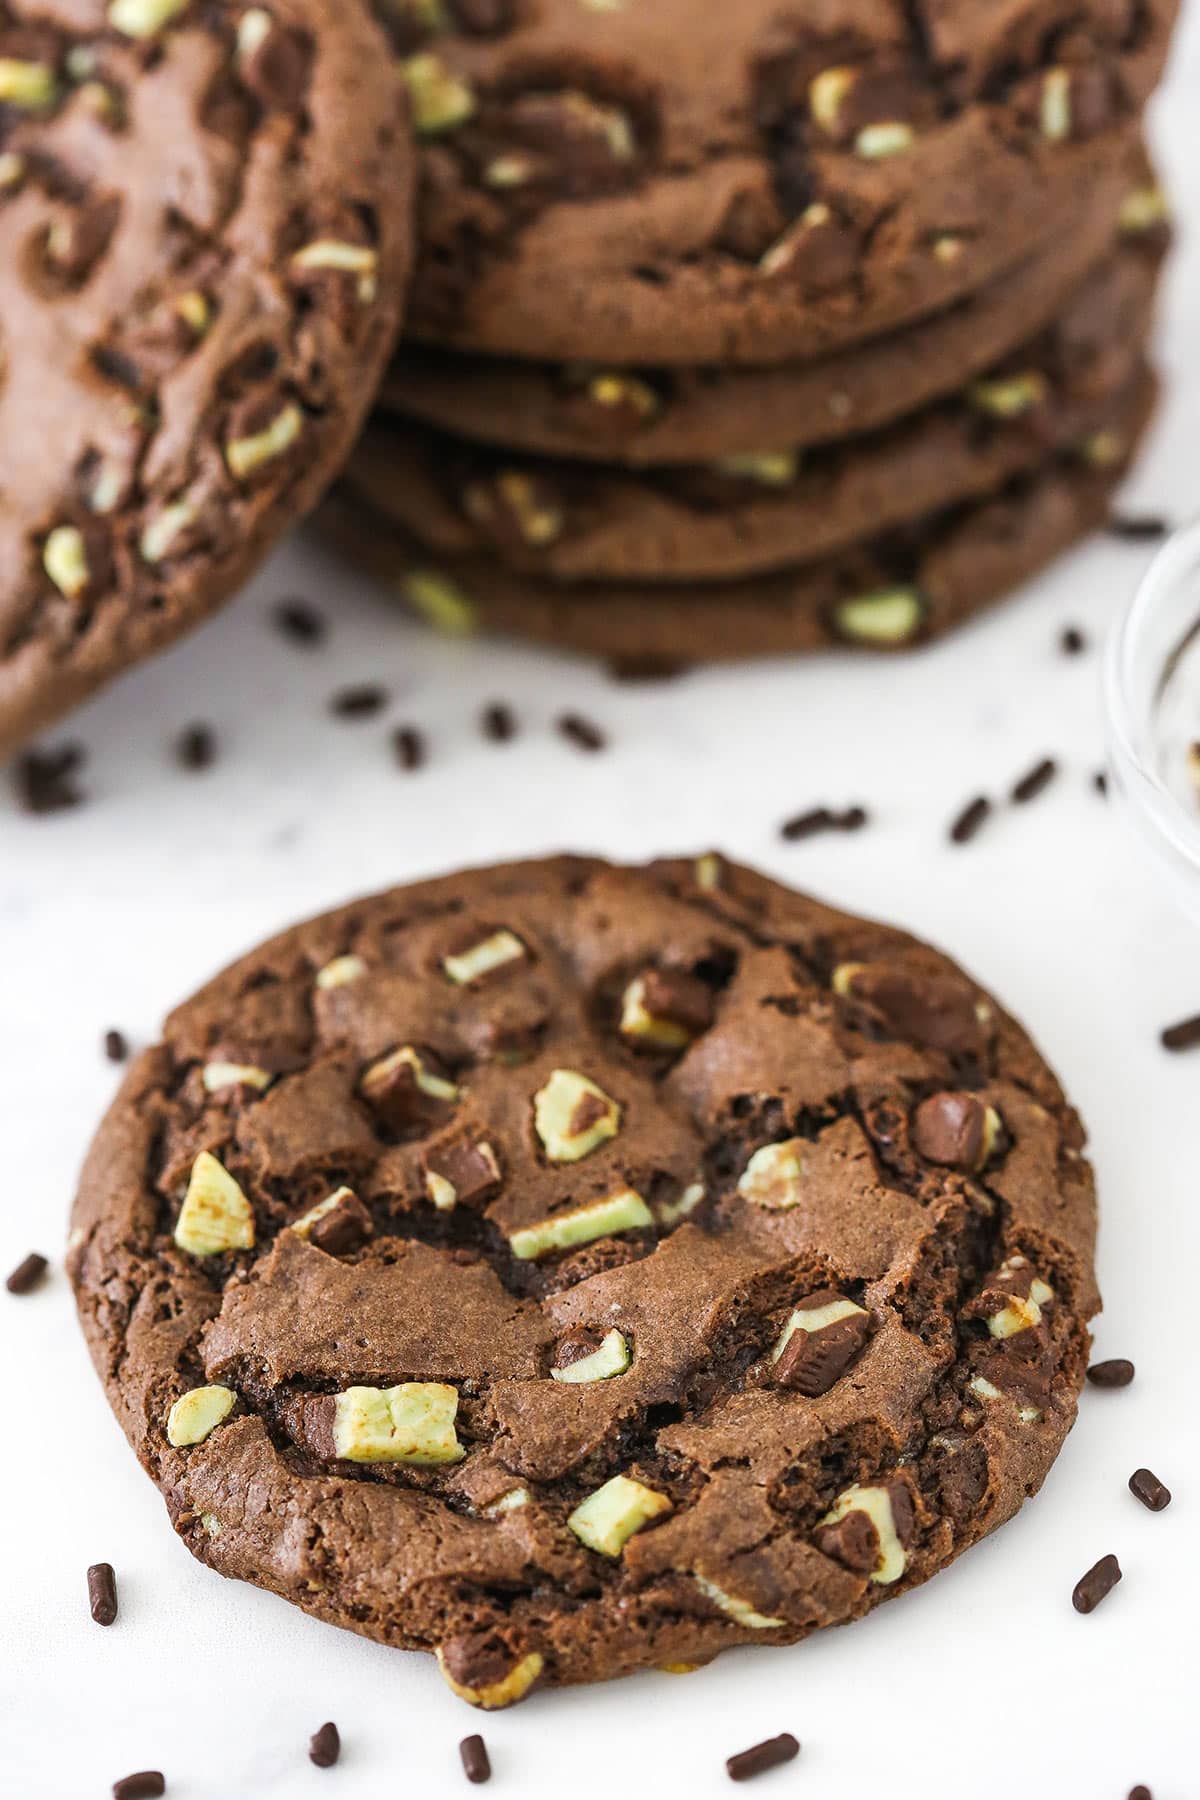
<point>684,183</point>
<point>569,1269</point>
<point>204,244</point>
<point>644,418</point>
<point>890,593</point>
<point>753,513</point>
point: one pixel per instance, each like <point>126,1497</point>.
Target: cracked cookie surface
<point>683,184</point>
<point>204,243</point>
<point>570,1269</point>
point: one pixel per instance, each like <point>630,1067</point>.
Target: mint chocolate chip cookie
<point>567,1269</point>
<point>204,243</point>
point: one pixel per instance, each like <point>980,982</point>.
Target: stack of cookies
<point>750,329</point>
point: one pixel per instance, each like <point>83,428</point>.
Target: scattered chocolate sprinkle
<point>116,1046</point>
<point>970,821</point>
<point>300,623</point>
<point>476,1764</point>
<point>1140,1792</point>
<point>769,1755</point>
<point>26,1276</point>
<point>582,732</point>
<point>1100,783</point>
<point>43,779</point>
<point>1072,641</point>
<point>409,746</point>
<point>147,1784</point>
<point>196,748</point>
<point>1117,1372</point>
<point>1036,782</point>
<point>499,723</point>
<point>1096,1585</point>
<point>361,702</point>
<point>102,1593</point>
<point>1145,1486</point>
<point>325,1746</point>
<point>1184,1036</point>
<point>1138,528</point>
<point>820,819</point>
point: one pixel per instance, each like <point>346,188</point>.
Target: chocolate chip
<point>300,623</point>
<point>43,779</point>
<point>1184,1036</point>
<point>853,1542</point>
<point>1072,642</point>
<point>26,1276</point>
<point>116,1048</point>
<point>581,732</point>
<point>1145,1486</point>
<point>499,723</point>
<point>476,1764</point>
<point>924,1007</point>
<point>970,821</point>
<point>1146,528</point>
<point>1036,782</point>
<point>343,1229</point>
<point>950,1129</point>
<point>1115,1373</point>
<point>147,1784</point>
<point>196,748</point>
<point>102,1593</point>
<point>361,702</point>
<point>1099,1582</point>
<point>408,746</point>
<point>325,1746</point>
<point>769,1755</point>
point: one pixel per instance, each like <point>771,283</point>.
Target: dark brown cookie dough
<point>754,513</point>
<point>683,184</point>
<point>649,417</point>
<point>204,242</point>
<point>631,1170</point>
<point>890,593</point>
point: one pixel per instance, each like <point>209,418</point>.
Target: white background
<point>985,1682</point>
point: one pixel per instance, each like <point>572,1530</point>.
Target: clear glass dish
<point>1152,706</point>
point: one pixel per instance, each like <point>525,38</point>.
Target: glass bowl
<point>1152,705</point>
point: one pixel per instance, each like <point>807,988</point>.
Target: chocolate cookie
<point>204,242</point>
<point>649,417</point>
<point>567,1269</point>
<point>890,593</point>
<point>685,183</point>
<point>751,513</point>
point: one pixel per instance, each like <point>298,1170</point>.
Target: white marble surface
<point>984,1682</point>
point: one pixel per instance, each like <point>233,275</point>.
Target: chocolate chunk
<point>102,1593</point>
<point>325,1746</point>
<point>853,1541</point>
<point>397,1092</point>
<point>582,732</point>
<point>925,1009</point>
<point>44,779</point>
<point>344,1229</point>
<point>28,1274</point>
<point>812,1361</point>
<point>1184,1036</point>
<point>1146,1487</point>
<point>1036,782</point>
<point>1099,1582</point>
<point>147,1784</point>
<point>971,820</point>
<point>1117,1372</point>
<point>771,1754</point>
<point>475,1761</point>
<point>952,1129</point>
<point>677,998</point>
<point>469,1167</point>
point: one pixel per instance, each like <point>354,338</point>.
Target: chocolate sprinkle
<point>1096,1585</point>
<point>325,1746</point>
<point>408,746</point>
<point>1036,782</point>
<point>1145,1486</point>
<point>196,748</point>
<point>582,732</point>
<point>26,1276</point>
<point>970,821</point>
<point>116,1046</point>
<point>1100,783</point>
<point>43,779</point>
<point>1145,528</point>
<point>475,1761</point>
<point>361,702</point>
<point>147,1784</point>
<point>769,1755</point>
<point>300,623</point>
<point>102,1593</point>
<point>499,723</point>
<point>1184,1036</point>
<point>1072,642</point>
<point>1140,1793</point>
<point>822,818</point>
<point>1117,1372</point>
